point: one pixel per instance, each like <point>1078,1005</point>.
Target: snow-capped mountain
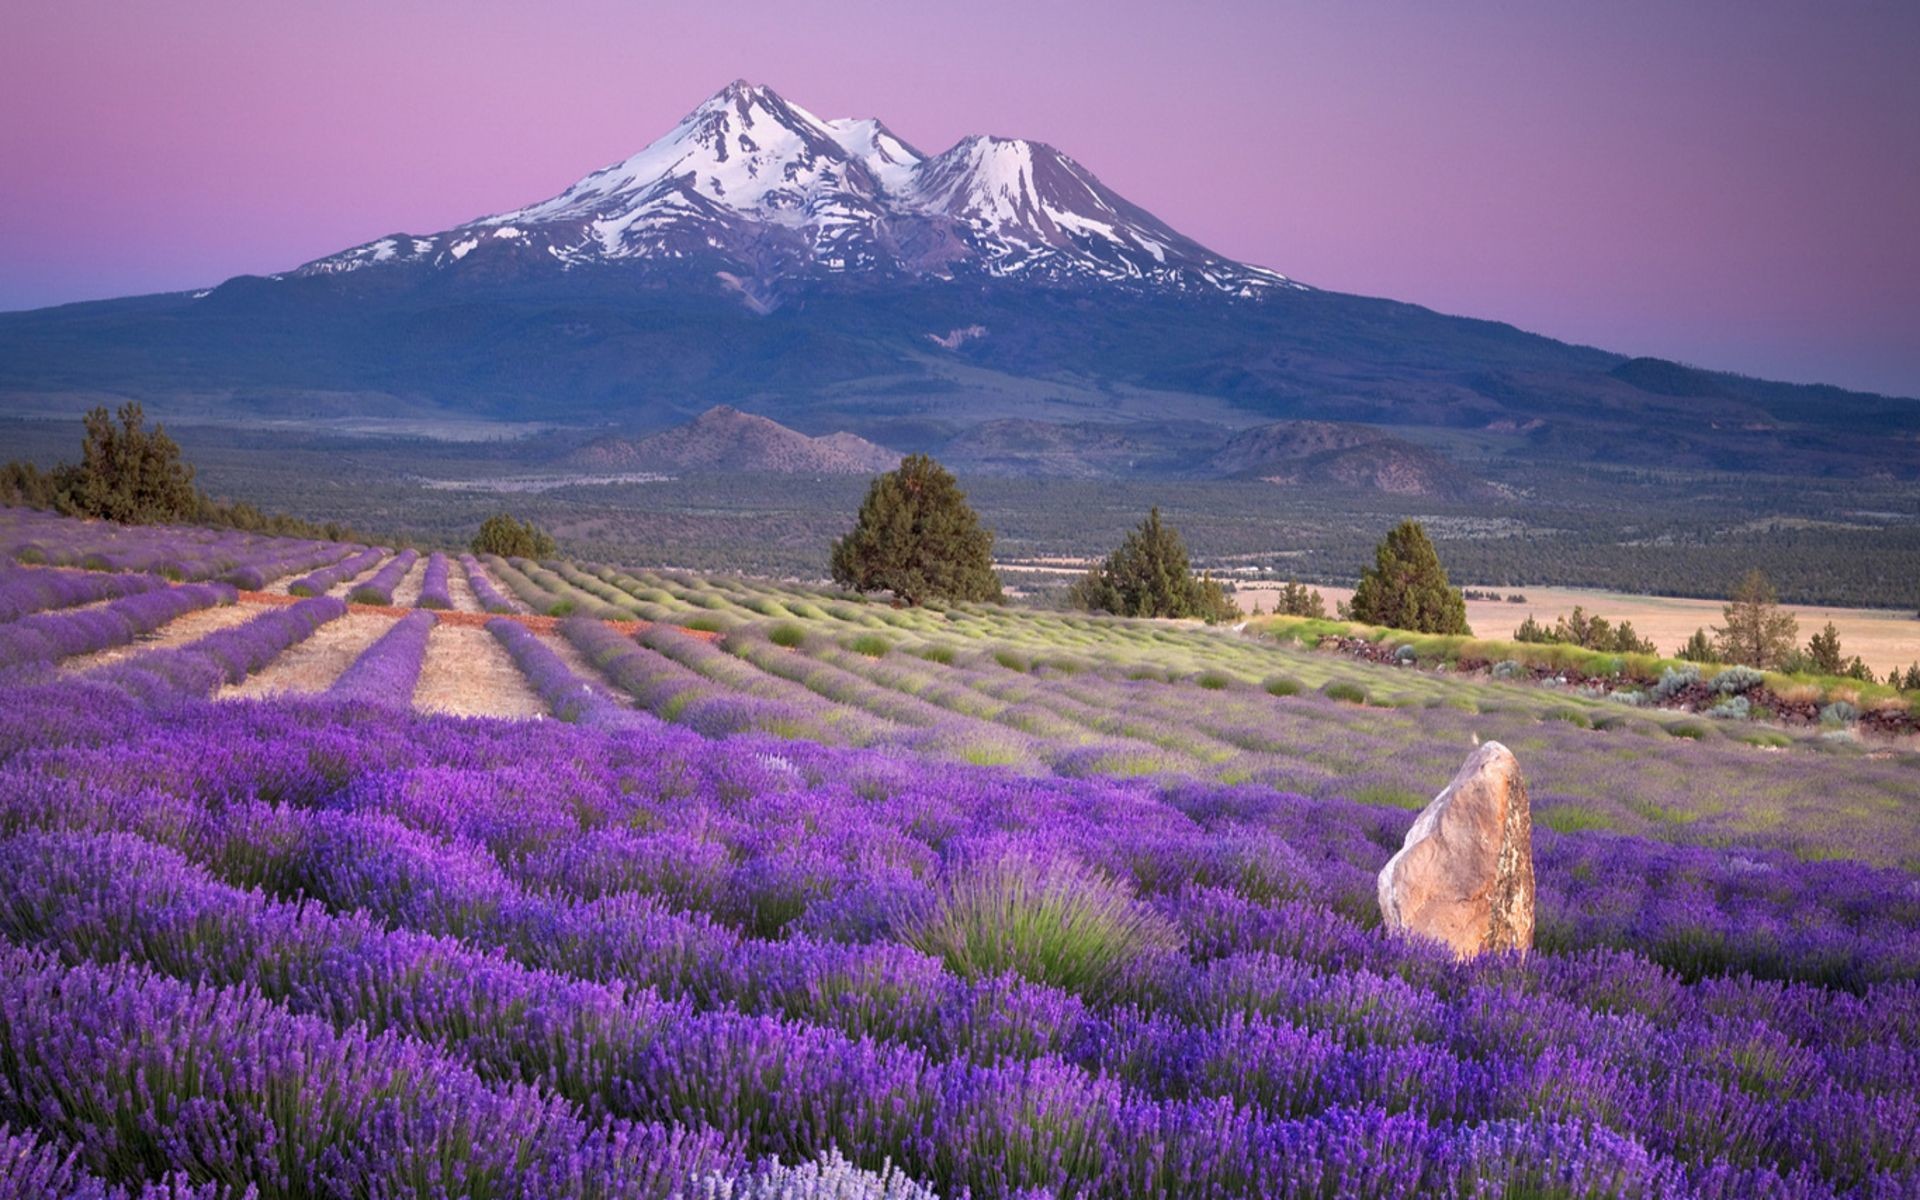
<point>758,191</point>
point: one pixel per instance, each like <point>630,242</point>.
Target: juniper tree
<point>918,538</point>
<point>1149,575</point>
<point>1407,588</point>
<point>501,534</point>
<point>127,473</point>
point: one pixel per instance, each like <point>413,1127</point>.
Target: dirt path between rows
<point>313,665</point>
<point>468,673</point>
<point>406,593</point>
<point>188,627</point>
<point>458,589</point>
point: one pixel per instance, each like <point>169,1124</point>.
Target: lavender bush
<point>379,589</point>
<point>386,672</point>
<point>324,580</point>
<point>433,583</point>
<point>24,592</point>
<point>483,590</point>
<point>47,636</point>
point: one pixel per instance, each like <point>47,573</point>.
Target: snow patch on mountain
<point>762,191</point>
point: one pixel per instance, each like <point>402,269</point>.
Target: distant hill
<point>1331,454</point>
<point>724,439</point>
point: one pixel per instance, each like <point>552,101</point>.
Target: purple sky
<point>1732,184</point>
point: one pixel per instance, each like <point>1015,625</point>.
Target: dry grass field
<point>1885,638</point>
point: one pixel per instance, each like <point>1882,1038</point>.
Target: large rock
<point>1465,873</point>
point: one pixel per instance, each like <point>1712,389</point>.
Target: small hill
<point>1332,454</point>
<point>1664,378</point>
<point>726,439</point>
<point>1077,450</point>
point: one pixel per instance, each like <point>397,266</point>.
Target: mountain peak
<point>760,195</point>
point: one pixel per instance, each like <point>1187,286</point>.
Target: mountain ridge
<point>724,439</point>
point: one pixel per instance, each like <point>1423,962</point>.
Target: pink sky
<point>1731,184</point>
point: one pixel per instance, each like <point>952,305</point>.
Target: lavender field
<point>795,895</point>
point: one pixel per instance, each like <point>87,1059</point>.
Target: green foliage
<point>1589,633</point>
<point>501,534</point>
<point>1299,600</point>
<point>1054,922</point>
<point>126,473</point>
<point>1148,575</point>
<point>870,644</point>
<point>1757,633</point>
<point>787,634</point>
<point>1283,685</point>
<point>1348,693</point>
<point>1699,648</point>
<point>918,538</point>
<point>1407,588</point>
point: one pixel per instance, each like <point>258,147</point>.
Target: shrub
<point>1508,669</point>
<point>870,644</point>
<point>1733,708</point>
<point>937,654</point>
<point>1050,920</point>
<point>1571,716</point>
<point>1839,713</point>
<point>1341,690</point>
<point>1148,575</point>
<point>1693,731</point>
<point>1735,680</point>
<point>1283,685</point>
<point>1675,680</point>
<point>1214,681</point>
<point>787,634</point>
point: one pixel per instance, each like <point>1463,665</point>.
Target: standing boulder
<point>1465,873</point>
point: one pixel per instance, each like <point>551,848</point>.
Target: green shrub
<point>1283,685</point>
<point>937,654</point>
<point>1010,660</point>
<point>787,634</point>
<point>1571,716</point>
<point>1054,922</point>
<point>707,623</point>
<point>1341,690</point>
<point>1214,681</point>
<point>1691,730</point>
<point>561,608</point>
<point>870,644</point>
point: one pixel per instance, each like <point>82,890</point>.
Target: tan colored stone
<point>1465,874</point>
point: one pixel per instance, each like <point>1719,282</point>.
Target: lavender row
<point>226,656</point>
<point>259,571</point>
<point>379,589</point>
<point>567,696</point>
<point>320,582</point>
<point>342,1112</point>
<point>387,671</point>
<point>433,584</point>
<point>24,592</point>
<point>483,590</point>
<point>45,637</point>
<point>673,692</point>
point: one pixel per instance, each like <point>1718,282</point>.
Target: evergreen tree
<point>1407,588</point>
<point>127,473</point>
<point>1824,656</point>
<point>1149,575</point>
<point>1757,633</point>
<point>502,535</point>
<point>917,537</point>
<point>1699,648</point>
<point>1299,600</point>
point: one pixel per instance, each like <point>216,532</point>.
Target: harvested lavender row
<point>433,584</point>
<point>483,590</point>
<point>386,672</point>
<point>24,592</point>
<point>44,637</point>
<point>379,589</point>
<point>320,582</point>
<point>669,690</point>
<point>226,656</point>
<point>568,696</point>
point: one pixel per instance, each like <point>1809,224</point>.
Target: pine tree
<point>1299,600</point>
<point>1407,588</point>
<point>917,537</point>
<point>1149,575</point>
<point>1757,633</point>
<point>1824,656</point>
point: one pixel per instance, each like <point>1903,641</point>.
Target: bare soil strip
<point>188,627</point>
<point>458,589</point>
<point>468,673</point>
<point>314,664</point>
<point>406,593</point>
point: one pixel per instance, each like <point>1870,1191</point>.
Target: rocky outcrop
<point>1465,873</point>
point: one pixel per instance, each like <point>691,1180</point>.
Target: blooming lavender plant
<point>46,636</point>
<point>379,589</point>
<point>386,672</point>
<point>25,592</point>
<point>320,582</point>
<point>433,583</point>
